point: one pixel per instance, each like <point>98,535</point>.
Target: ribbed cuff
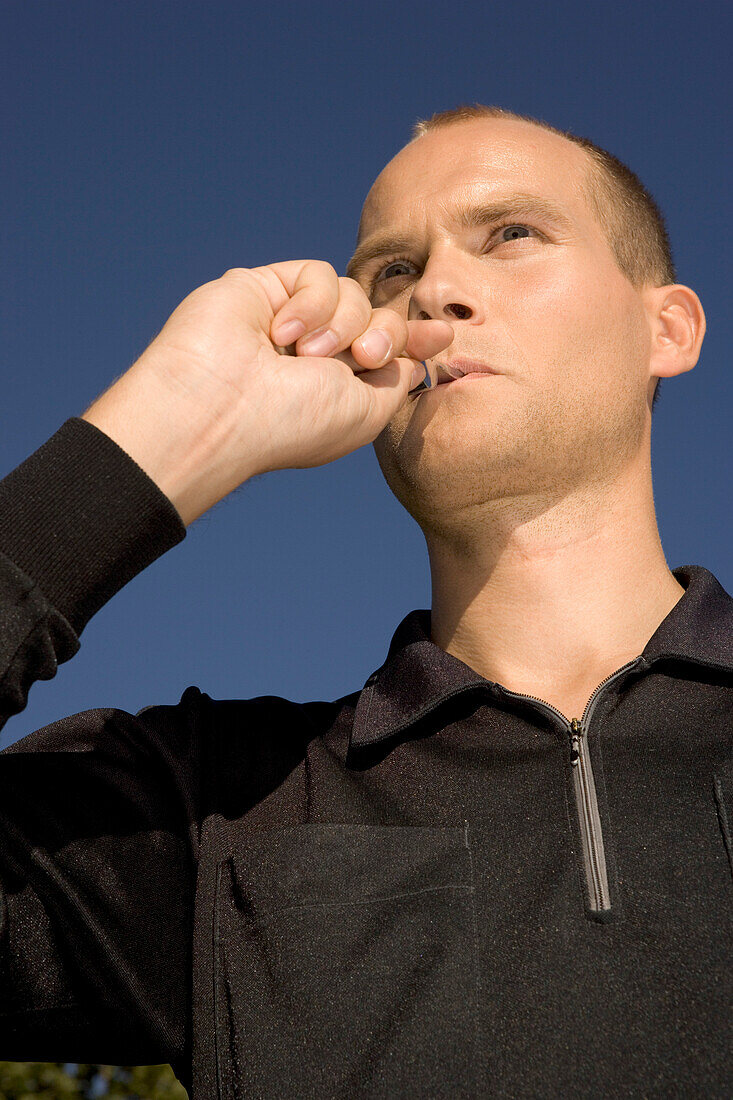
<point>81,518</point>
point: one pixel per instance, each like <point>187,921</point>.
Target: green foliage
<point>65,1080</point>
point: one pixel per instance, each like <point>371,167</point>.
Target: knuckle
<point>326,268</point>
<point>351,286</point>
<point>318,299</point>
<point>393,323</point>
<point>321,287</point>
<point>354,307</point>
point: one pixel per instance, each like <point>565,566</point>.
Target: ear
<point>677,323</point>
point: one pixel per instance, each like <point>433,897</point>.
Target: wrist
<point>144,424</point>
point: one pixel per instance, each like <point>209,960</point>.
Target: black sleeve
<point>99,811</point>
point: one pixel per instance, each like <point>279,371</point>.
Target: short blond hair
<point>627,213</point>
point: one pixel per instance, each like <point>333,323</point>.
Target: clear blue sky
<point>147,147</point>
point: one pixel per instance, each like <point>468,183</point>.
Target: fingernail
<point>290,332</point>
<point>376,344</point>
<point>321,343</point>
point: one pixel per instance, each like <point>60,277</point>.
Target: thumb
<point>391,386</point>
<point>426,338</point>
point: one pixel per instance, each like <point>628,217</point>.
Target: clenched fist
<point>217,398</point>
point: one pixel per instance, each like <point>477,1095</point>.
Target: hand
<point>213,400</point>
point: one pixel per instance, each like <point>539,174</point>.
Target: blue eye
<point>511,229</point>
<point>393,263</point>
<point>507,228</point>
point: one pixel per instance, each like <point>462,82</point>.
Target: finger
<point>313,286</point>
<point>432,337</point>
<point>427,338</point>
<point>390,386</point>
<point>350,319</point>
<point>385,338</point>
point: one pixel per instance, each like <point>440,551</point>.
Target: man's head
<point>575,306</point>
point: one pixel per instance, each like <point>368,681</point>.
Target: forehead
<point>480,157</point>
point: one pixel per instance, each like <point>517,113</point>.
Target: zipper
<point>594,857</point>
<point>584,788</point>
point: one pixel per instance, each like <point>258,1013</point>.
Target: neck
<point>548,598</point>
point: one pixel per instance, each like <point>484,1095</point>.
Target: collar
<point>417,674</point>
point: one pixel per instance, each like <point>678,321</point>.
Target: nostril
<point>460,311</point>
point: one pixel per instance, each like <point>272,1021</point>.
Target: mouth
<point>453,369</point>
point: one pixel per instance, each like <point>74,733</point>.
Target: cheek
<point>562,303</point>
<point>586,322</point>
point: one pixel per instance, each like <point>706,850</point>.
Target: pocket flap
<point>306,864</point>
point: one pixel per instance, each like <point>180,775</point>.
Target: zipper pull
<point>575,735</point>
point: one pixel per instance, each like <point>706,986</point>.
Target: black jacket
<point>431,887</point>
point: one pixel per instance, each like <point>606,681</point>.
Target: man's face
<point>545,305</point>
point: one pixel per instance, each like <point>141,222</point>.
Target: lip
<point>474,374</point>
<point>460,367</point>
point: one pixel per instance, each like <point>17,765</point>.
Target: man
<point>545,514</point>
<point>500,868</point>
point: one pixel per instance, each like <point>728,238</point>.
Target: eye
<point>508,231</point>
<point>512,231</point>
<point>380,275</point>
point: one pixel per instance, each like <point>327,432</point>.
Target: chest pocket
<point>346,963</point>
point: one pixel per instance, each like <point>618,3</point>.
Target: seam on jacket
<point>723,819</point>
<point>370,695</point>
<point>216,998</point>
<point>477,968</point>
<point>372,900</point>
<point>4,919</point>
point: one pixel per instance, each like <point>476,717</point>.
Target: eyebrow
<point>471,215</point>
